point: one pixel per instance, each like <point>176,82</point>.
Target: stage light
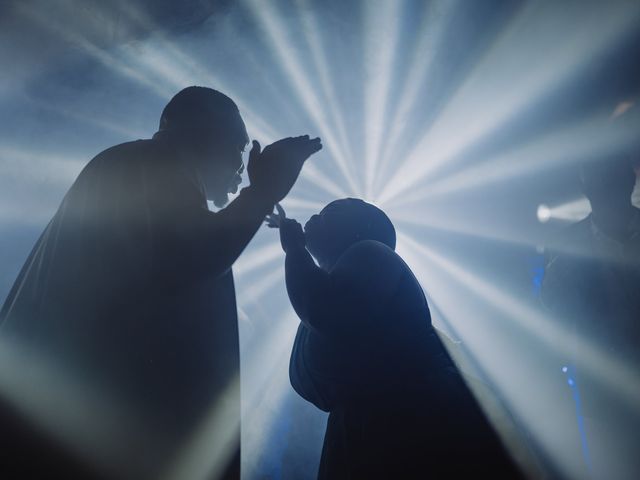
<point>543,213</point>
<point>570,212</point>
<point>586,138</point>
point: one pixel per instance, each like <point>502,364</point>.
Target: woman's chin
<point>221,199</point>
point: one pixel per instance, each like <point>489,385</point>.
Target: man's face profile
<point>225,173</point>
<point>219,161</point>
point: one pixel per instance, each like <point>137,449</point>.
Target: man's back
<point>114,292</point>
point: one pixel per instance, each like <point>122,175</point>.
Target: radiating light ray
<point>613,374</point>
<point>587,138</point>
<point>213,445</point>
<point>497,232</point>
<point>78,413</point>
<point>171,58</point>
<point>301,204</point>
<point>572,211</point>
<point>431,32</point>
<point>503,84</point>
<point>256,258</point>
<point>99,54</point>
<point>154,61</point>
<point>443,222</point>
<point>261,286</point>
<point>21,164</point>
<point>124,131</point>
<point>311,173</point>
<point>267,369</point>
<point>381,38</point>
<point>478,350</point>
<point>259,128</point>
<point>319,57</point>
<point>164,71</point>
<point>278,341</point>
<point>269,20</point>
<point>169,66</point>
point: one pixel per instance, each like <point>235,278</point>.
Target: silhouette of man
<point>592,282</point>
<point>130,285</point>
<point>366,352</point>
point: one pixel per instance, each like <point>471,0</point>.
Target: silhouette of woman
<point>366,352</point>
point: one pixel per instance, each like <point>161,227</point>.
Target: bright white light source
<point>544,213</point>
<point>572,211</point>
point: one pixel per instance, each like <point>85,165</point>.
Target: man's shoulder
<point>126,150</point>
<point>123,158</point>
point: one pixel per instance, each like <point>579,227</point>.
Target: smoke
<point>83,75</point>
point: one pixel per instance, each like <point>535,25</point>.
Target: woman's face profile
<point>337,227</point>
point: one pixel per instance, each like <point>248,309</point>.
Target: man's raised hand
<point>273,171</point>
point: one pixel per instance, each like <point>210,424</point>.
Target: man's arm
<point>227,233</point>
<point>214,241</point>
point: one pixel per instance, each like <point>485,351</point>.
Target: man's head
<point>343,223</point>
<point>206,127</point>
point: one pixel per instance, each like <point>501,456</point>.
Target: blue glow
<point>536,269</point>
<point>580,419</point>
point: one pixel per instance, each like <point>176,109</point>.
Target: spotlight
<point>544,213</point>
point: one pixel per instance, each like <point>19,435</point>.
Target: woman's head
<point>343,223</point>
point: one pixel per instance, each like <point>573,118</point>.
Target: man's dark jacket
<point>129,290</point>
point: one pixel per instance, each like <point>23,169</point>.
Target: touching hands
<point>273,171</point>
<point>291,233</point>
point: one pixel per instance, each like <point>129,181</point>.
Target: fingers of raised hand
<point>301,141</point>
<point>281,211</point>
<point>272,220</point>
<point>308,147</point>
